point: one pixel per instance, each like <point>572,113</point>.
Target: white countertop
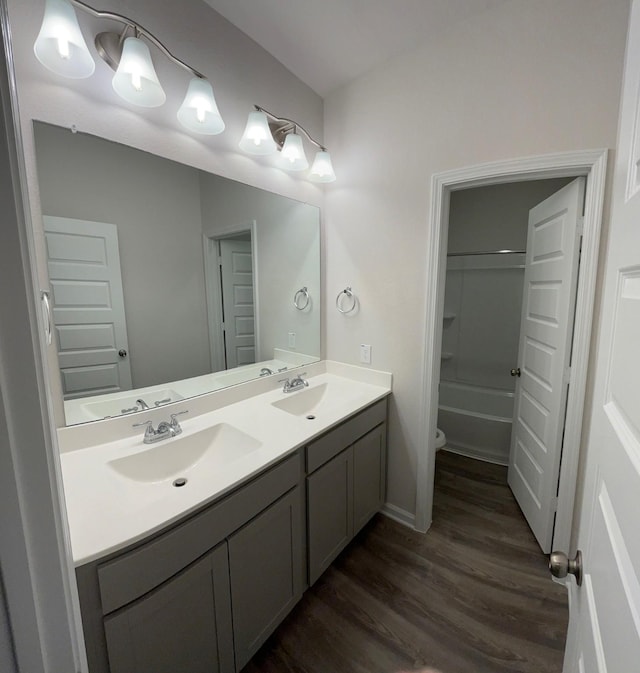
<point>108,511</point>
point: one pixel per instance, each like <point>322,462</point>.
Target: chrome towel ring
<point>301,299</point>
<point>350,296</point>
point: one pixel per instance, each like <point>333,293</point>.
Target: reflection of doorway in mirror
<point>83,263</point>
<point>236,280</point>
<point>230,278</point>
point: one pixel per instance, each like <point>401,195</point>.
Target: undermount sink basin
<point>310,401</point>
<point>211,448</point>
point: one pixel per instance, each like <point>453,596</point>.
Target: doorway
<point>512,262</point>
<point>592,166</point>
<point>230,276</point>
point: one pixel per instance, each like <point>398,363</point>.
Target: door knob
<point>561,566</point>
<point>515,372</point>
<point>122,353</point>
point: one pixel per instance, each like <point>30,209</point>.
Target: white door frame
<point>213,289</point>
<point>593,165</point>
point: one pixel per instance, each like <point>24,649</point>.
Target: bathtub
<point>476,420</point>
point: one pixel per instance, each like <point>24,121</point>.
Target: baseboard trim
<point>468,452</point>
<point>398,514</point>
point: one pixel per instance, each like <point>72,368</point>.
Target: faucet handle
<point>174,420</point>
<point>149,432</point>
<point>179,413</point>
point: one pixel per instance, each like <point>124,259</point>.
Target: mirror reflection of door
<point>236,281</point>
<point>83,262</point>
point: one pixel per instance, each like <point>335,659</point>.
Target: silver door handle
<point>46,311</point>
<point>561,566</point>
<point>515,372</point>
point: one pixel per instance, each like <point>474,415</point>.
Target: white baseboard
<point>400,515</point>
<point>469,452</point>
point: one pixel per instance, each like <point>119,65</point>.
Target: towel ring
<point>351,296</point>
<point>305,297</point>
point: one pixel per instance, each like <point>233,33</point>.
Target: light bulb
<point>257,138</point>
<point>63,48</point>
<point>199,112</point>
<point>60,46</point>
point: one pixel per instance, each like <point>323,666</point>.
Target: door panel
<point>237,299</point>
<point>184,625</point>
<point>604,623</point>
<point>546,329</point>
<point>87,306</point>
<point>266,570</point>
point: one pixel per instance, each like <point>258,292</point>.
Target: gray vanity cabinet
<point>345,484</point>
<point>183,625</point>
<point>266,568</point>
<point>205,593</point>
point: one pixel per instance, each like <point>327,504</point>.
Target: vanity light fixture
<point>61,48</point>
<point>265,134</point>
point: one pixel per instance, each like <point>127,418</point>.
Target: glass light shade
<point>257,138</point>
<point>292,156</point>
<point>199,112</point>
<point>60,46</point>
<point>322,168</point>
<point>135,79</point>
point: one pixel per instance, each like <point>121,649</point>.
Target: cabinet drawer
<point>326,447</point>
<point>135,573</point>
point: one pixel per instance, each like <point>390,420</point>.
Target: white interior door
<point>236,273</point>
<point>546,329</point>
<point>604,624</point>
<point>87,306</point>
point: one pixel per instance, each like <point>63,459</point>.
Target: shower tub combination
<point>481,326</point>
<point>476,421</point>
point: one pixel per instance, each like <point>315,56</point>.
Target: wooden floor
<point>472,596</point>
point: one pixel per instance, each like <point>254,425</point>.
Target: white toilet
<point>441,439</point>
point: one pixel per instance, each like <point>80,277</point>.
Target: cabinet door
<point>266,571</point>
<point>330,512</point>
<point>368,476</point>
<point>183,625</point>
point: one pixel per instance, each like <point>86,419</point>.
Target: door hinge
<point>566,377</point>
<point>580,225</point>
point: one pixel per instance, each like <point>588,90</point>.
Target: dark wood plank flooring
<point>472,596</point>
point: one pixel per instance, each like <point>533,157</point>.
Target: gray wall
<point>496,217</point>
<point>287,249</point>
<point>155,204</point>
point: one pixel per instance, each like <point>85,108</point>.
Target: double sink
<point>119,490</point>
<point>219,444</point>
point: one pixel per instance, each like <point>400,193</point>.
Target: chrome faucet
<point>143,404</point>
<point>265,371</point>
<point>165,429</point>
<point>293,384</point>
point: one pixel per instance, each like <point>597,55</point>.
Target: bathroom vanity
<point>205,590</point>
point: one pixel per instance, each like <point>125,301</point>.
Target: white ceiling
<point>328,43</point>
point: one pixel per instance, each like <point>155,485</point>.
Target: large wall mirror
<point>166,281</point>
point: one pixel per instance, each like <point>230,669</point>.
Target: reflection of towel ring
<point>349,293</point>
<point>305,298</point>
